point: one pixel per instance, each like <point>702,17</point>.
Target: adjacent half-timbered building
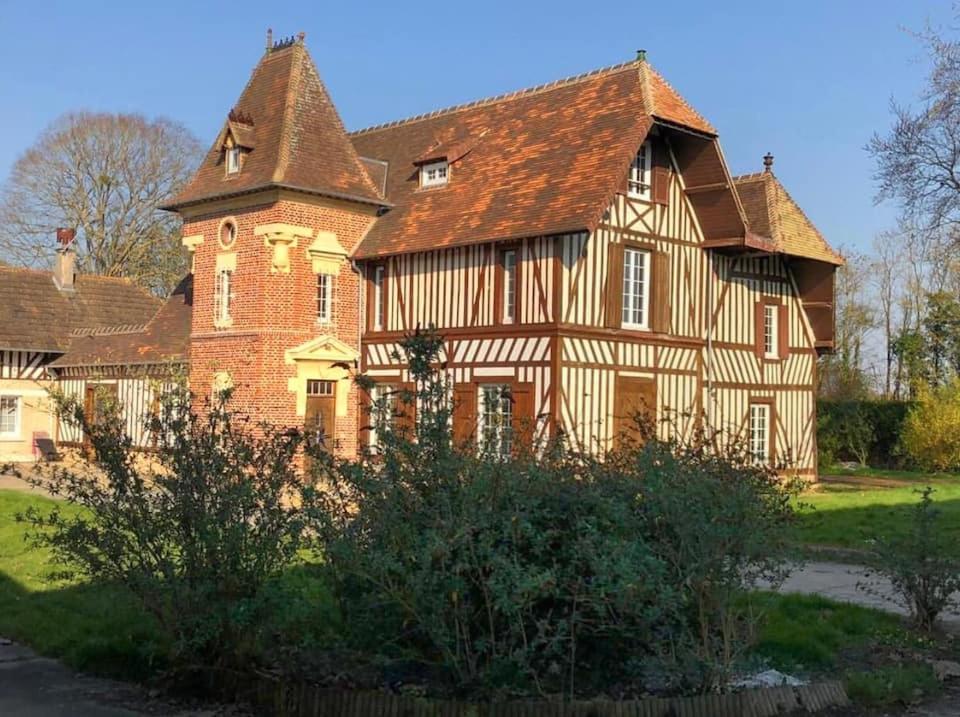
<point>581,246</point>
<point>39,313</point>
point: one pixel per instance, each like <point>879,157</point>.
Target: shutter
<point>464,415</point>
<point>660,300</point>
<point>661,173</point>
<point>614,297</point>
<point>758,329</point>
<point>783,327</point>
<point>524,418</point>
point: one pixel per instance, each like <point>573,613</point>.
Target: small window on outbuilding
<point>434,174</point>
<point>232,160</point>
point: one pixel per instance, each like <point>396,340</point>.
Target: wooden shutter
<point>783,329</point>
<point>660,288</point>
<point>758,329</point>
<point>634,396</point>
<point>524,416</point>
<point>614,297</point>
<point>464,415</point>
<point>661,173</point>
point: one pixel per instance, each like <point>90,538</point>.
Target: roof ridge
<point>679,96</point>
<point>495,99</point>
<point>751,177</point>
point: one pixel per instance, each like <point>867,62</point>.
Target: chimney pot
<point>641,55</point>
<point>65,236</point>
<point>269,39</point>
<point>65,261</point>
<point>768,162</point>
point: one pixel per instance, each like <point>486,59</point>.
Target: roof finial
<point>269,39</point>
<point>641,55</point>
<point>768,163</point>
<point>301,36</point>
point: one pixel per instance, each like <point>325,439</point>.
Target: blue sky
<point>809,81</point>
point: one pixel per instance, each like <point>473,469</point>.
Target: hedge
<point>861,431</point>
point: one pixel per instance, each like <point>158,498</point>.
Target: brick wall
<point>272,312</point>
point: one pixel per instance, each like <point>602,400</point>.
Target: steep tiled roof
<point>772,213</point>
<point>295,136</point>
<point>35,315</point>
<point>165,338</point>
<point>539,161</point>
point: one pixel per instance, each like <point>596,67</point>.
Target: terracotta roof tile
<point>296,135</point>
<point>540,161</point>
<point>35,315</point>
<point>772,213</point>
<point>164,338</point>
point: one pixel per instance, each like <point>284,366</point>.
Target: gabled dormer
<point>238,139</point>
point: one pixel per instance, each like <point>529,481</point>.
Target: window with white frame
<point>379,274</point>
<point>496,420</point>
<point>636,288</point>
<point>638,181</point>
<point>760,433</point>
<point>9,417</point>
<point>383,404</point>
<point>325,298</point>
<point>233,160</point>
<point>223,297</point>
<point>434,174</point>
<point>509,259</point>
<point>770,330</point>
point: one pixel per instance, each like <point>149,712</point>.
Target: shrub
<point>931,432</point>
<point>194,537</point>
<point>919,564</point>
<point>548,570</point>
<point>868,432</point>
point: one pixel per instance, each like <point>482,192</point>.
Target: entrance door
<point>320,418</point>
<point>635,409</point>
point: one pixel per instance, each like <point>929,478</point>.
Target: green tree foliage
<point>195,536</point>
<point>548,570</point>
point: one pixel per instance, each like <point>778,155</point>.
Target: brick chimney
<point>65,262</point>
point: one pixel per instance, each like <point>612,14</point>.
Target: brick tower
<point>275,209</point>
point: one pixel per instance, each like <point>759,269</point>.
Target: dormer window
<point>233,160</point>
<point>638,181</point>
<point>434,174</point>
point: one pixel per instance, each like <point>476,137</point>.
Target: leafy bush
<point>194,537</point>
<point>868,432</point>
<point>548,570</point>
<point>920,564</point>
<point>931,432</point>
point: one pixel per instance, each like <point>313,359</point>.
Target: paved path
<point>33,686</point>
<point>838,581</point>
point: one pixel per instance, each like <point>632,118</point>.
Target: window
<point>496,420</point>
<point>233,160</point>
<point>325,298</point>
<point>383,402</point>
<point>434,174</point>
<point>379,274</point>
<point>760,433</point>
<point>9,417</point>
<point>636,288</point>
<point>770,332</point>
<point>228,233</point>
<point>318,387</point>
<point>223,297</point>
<point>638,181</point>
<point>509,297</point>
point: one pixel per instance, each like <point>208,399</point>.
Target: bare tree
<point>918,162</point>
<point>104,175</point>
<point>885,276</point>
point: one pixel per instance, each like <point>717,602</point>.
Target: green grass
<point>810,633</point>
<point>904,475</point>
<point>891,684</point>
<point>854,516</point>
<point>94,627</point>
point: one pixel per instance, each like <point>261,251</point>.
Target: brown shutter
<point>614,297</point>
<point>758,329</point>
<point>660,298</point>
<point>661,173</point>
<point>464,415</point>
<point>783,328</point>
<point>524,419</point>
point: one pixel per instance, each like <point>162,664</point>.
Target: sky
<point>808,81</point>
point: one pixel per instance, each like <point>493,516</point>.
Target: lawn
<point>902,475</point>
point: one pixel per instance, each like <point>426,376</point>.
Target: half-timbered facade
<point>581,247</point>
